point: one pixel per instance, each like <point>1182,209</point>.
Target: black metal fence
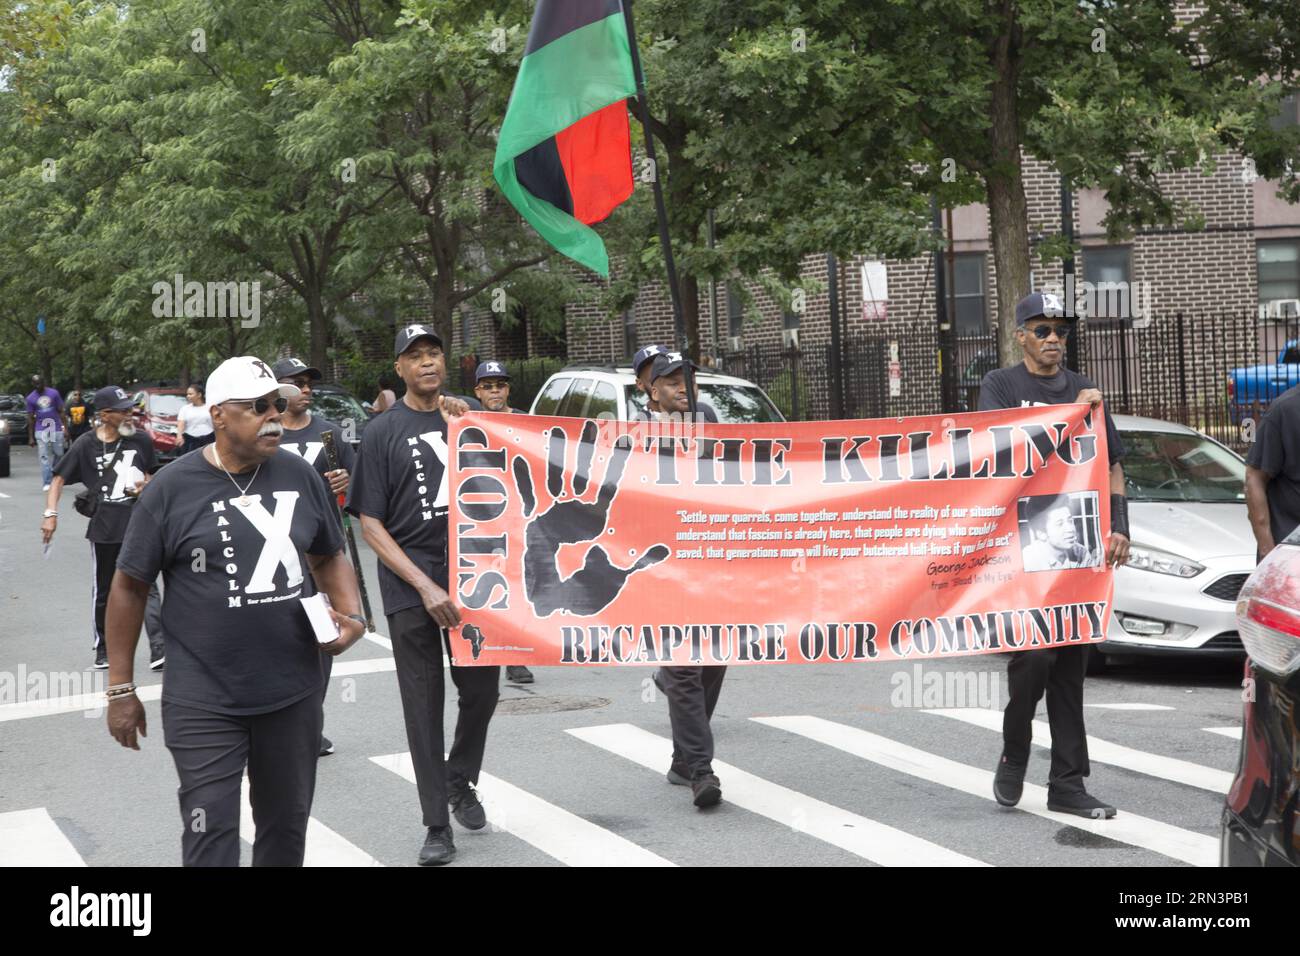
<point>1215,372</point>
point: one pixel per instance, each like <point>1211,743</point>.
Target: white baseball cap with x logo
<point>242,379</point>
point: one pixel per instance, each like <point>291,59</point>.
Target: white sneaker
<point>45,488</point>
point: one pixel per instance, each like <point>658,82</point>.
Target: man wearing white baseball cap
<point>234,529</point>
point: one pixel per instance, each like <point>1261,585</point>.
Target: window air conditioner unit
<point>1282,309</point>
<point>790,338</point>
<point>735,343</point>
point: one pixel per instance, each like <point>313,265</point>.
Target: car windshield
<point>167,405</point>
<point>1167,466</point>
<point>338,407</point>
<point>733,403</point>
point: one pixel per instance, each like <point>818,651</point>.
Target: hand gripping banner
<point>612,543</point>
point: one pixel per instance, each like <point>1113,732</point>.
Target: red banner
<point>597,542</point>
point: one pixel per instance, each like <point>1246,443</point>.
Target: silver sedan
<point>1192,545</point>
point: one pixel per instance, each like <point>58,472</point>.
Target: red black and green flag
<point>564,157</point>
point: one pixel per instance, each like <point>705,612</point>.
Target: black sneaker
<point>707,790</point>
<point>659,683</point>
<point>157,663</point>
<point>1008,782</point>
<point>1081,804</point>
<point>518,674</point>
<point>326,746</point>
<point>679,775</point>
<point>467,808</point>
<point>439,847</point>
<point>101,658</point>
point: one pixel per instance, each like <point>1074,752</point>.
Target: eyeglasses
<point>1043,331</point>
<point>260,405</point>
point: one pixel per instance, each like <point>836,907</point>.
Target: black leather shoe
<point>658,682</point>
<point>466,807</point>
<point>439,847</point>
<point>1008,782</point>
<point>679,775</point>
<point>1081,804</point>
<point>707,790</point>
<point>326,746</point>
<point>517,674</point>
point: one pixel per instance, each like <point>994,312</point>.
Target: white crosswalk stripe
<point>324,846</point>
<point>866,838</point>
<point>32,838</point>
<point>94,702</point>
<point>1162,838</point>
<point>556,832</point>
<point>1103,751</point>
<point>1129,706</point>
<point>1232,733</point>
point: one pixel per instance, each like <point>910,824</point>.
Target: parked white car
<point>1192,545</point>
<point>592,391</point>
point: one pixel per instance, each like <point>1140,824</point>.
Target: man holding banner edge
<point>1042,329</point>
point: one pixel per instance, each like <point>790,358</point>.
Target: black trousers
<point>104,560</point>
<point>692,694</point>
<point>212,750</point>
<point>1059,671</point>
<point>418,650</point>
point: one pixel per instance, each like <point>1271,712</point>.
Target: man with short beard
<point>234,527</point>
<point>115,462</point>
<point>492,389</point>
<point>400,494</point>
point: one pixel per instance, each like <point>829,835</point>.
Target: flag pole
<point>661,211</point>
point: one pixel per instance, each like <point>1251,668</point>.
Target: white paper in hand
<point>318,612</point>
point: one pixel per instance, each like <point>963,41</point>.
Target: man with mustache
<point>1042,327</point>
<point>115,463</point>
<point>235,528</point>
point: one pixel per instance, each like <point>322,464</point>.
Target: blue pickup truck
<point>1253,387</point>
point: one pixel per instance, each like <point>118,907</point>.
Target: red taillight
<point>1271,616</point>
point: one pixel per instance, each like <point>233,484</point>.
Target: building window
<point>1288,113</point>
<point>735,314</point>
<point>1110,270</point>
<point>968,290</point>
<point>1279,274</point>
<point>629,332</point>
<point>790,319</point>
<point>464,330</point>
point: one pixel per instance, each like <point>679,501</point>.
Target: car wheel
<point>1098,662</point>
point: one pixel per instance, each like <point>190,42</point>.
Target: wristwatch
<point>50,514</point>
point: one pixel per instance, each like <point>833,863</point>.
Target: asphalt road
<point>820,765</point>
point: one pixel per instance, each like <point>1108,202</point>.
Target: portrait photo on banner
<point>1059,532</point>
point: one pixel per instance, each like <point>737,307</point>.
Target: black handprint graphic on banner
<point>571,521</point>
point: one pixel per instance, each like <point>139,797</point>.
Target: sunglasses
<point>261,405</point>
<point>1043,331</point>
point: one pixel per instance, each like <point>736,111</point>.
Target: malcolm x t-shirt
<point>234,567</point>
<point>85,463</point>
<point>1017,387</point>
<point>401,479</point>
<point>307,444</point>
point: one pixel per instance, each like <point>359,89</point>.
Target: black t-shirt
<point>238,640</point>
<point>1276,452</point>
<point>306,443</point>
<point>1015,387</point>
<point>401,479</point>
<point>84,464</point>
